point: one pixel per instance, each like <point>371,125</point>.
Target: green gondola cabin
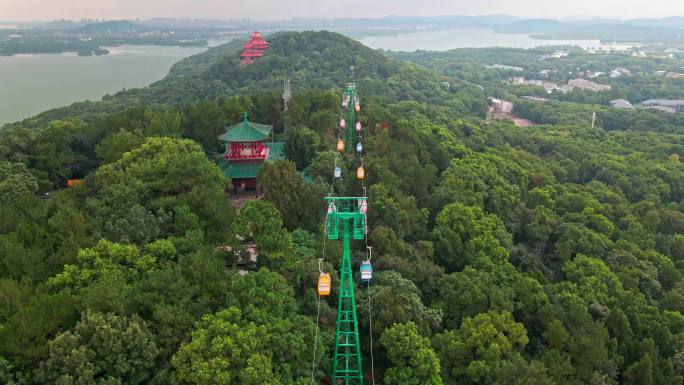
<point>248,145</point>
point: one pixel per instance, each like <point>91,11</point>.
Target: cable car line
<point>348,214</point>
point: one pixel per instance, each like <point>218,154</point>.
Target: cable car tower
<point>350,103</point>
<point>349,212</point>
<point>346,220</point>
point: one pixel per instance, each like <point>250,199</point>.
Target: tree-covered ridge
<point>311,60</point>
<point>549,254</point>
<point>640,79</point>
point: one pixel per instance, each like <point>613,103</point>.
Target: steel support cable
<point>370,328</point>
<point>313,360</point>
<point>318,305</point>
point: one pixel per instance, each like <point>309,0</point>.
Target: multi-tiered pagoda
<point>247,147</point>
<point>254,48</point>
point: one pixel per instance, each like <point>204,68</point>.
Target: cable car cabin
<point>363,206</point>
<point>324,284</point>
<point>366,270</point>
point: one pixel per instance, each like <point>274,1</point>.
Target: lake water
<point>30,84</point>
<point>471,38</point>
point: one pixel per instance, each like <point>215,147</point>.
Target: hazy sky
<point>285,9</point>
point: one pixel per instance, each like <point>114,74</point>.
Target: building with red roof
<point>254,48</point>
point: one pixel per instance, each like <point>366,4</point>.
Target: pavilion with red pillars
<point>247,147</point>
<point>254,48</point>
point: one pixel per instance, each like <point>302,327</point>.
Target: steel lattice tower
<point>346,364</point>
<point>350,137</point>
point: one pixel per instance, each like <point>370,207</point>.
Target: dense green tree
<point>396,299</point>
<point>35,318</point>
<point>474,353</point>
<point>484,180</point>
<point>413,360</point>
<point>301,146</point>
<point>8,375</point>
<point>102,349</point>
<point>464,234</point>
<point>163,123</point>
<point>284,187</point>
<point>225,349</point>
<point>640,373</point>
<point>116,144</point>
<point>16,182</point>
<point>260,222</point>
<point>396,211</point>
<point>472,291</point>
<point>595,282</point>
<point>266,299</point>
<point>165,187</point>
<point>323,165</point>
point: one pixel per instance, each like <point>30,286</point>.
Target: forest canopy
<point>547,254</point>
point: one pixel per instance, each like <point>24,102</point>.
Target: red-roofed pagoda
<point>255,48</point>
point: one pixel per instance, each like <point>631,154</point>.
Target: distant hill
<point>112,25</point>
<point>60,24</point>
<point>169,22</point>
<point>616,32</point>
<point>531,26</point>
<point>311,60</point>
<point>636,30</point>
<point>676,22</point>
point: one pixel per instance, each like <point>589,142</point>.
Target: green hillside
<point>551,254</point>
<point>311,60</point>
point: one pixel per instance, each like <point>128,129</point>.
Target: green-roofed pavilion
<point>246,131</point>
<point>246,149</point>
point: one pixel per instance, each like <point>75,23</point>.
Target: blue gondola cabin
<point>366,272</point>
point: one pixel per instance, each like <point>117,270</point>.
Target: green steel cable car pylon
<point>350,139</point>
<point>346,364</point>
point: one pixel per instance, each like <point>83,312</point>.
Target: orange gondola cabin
<point>254,48</point>
<point>324,284</point>
<point>247,147</point>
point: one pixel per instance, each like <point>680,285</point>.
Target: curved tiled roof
<point>246,131</point>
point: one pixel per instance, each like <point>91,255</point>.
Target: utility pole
<point>287,94</point>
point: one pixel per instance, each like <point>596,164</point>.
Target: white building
<point>675,105</point>
<point>621,104</point>
<point>584,84</point>
<point>517,80</point>
<point>501,106</point>
<point>616,73</point>
<point>592,74</point>
<point>504,67</point>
